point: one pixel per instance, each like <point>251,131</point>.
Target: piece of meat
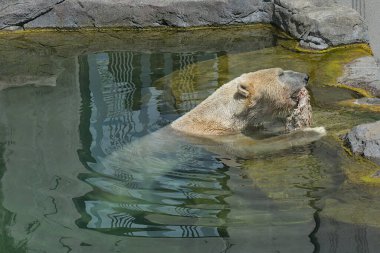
<point>301,115</point>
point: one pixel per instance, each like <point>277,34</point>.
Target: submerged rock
<point>365,140</point>
<point>368,101</point>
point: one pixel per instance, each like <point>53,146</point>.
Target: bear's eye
<point>281,73</point>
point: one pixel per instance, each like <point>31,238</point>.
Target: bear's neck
<point>214,116</point>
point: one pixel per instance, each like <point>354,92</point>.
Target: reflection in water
<point>187,82</point>
<point>118,81</point>
<point>7,243</point>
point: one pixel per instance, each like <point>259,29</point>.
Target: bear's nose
<point>295,80</point>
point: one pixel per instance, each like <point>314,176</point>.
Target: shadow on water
<point>114,184</point>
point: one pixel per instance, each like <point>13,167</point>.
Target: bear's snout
<point>295,80</point>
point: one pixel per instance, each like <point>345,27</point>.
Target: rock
<point>365,140</point>
<point>149,13</point>
<point>13,28</point>
<point>318,24</point>
<point>363,73</point>
<point>376,174</point>
<point>18,13</point>
<point>368,101</point>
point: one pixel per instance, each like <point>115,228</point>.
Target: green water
<point>84,170</point>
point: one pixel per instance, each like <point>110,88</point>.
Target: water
<point>86,166</point>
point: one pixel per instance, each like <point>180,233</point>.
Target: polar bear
<point>223,123</point>
<point>163,168</point>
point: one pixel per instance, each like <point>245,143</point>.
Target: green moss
<point>117,29</point>
<point>360,91</point>
<point>365,107</point>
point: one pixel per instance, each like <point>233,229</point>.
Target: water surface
<point>74,107</point>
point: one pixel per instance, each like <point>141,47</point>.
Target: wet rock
<point>13,28</point>
<point>368,101</point>
<point>365,140</point>
<point>363,73</point>
<point>376,174</point>
<point>318,24</point>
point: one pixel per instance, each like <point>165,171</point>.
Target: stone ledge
<point>318,24</point>
<point>365,140</point>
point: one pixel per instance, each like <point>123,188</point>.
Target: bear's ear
<point>243,90</point>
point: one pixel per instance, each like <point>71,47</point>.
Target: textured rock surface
<point>316,23</point>
<point>365,140</point>
<point>363,73</point>
<point>131,13</point>
<point>15,13</point>
<point>319,24</point>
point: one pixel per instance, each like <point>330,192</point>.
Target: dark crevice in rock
<point>81,4</point>
<point>164,22</point>
<point>22,23</point>
<point>93,21</point>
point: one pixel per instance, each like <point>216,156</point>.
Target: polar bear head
<point>245,102</point>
